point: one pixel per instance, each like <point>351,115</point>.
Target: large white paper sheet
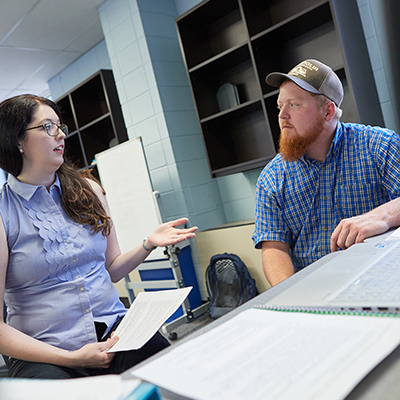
<point>105,387</point>
<point>146,315</point>
<point>262,354</point>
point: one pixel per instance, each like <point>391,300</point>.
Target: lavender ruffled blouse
<point>56,284</point>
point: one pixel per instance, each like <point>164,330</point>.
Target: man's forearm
<point>277,263</point>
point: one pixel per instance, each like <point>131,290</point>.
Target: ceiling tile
<point>50,68</point>
<point>92,36</point>
<point>17,65</point>
<point>11,15</point>
<point>53,26</point>
<point>40,38</point>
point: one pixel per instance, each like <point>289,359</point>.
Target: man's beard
<point>292,146</point>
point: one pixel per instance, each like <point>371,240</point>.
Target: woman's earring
<point>21,151</point>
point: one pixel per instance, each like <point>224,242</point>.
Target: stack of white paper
<point>262,354</point>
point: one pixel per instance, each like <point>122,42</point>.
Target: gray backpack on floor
<point>229,284</point>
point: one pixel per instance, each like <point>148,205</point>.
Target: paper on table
<point>146,315</point>
<point>282,356</point>
<point>107,387</point>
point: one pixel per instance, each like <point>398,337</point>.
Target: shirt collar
<point>337,138</point>
<point>332,150</point>
<point>25,190</point>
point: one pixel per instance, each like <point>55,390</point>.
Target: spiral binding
<point>329,311</point>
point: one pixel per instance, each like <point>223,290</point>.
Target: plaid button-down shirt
<point>300,203</point>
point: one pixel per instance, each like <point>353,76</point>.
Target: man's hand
<point>356,230</point>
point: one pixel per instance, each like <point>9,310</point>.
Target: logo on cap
<point>299,70</point>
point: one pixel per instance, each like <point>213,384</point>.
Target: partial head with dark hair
<point>77,197</point>
<point>16,113</point>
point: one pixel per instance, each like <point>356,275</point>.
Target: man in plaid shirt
<point>332,185</point>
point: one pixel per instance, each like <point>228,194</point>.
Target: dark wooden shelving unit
<point>240,42</point>
<point>93,114</point>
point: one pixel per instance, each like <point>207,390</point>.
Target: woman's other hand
<point>168,233</point>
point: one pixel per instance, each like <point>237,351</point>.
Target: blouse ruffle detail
<point>62,254</point>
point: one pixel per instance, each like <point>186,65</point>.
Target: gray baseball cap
<point>312,76</point>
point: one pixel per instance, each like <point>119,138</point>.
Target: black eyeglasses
<point>51,128</point>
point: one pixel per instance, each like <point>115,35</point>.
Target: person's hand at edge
<point>168,233</point>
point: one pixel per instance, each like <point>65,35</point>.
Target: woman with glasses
<point>59,254</point>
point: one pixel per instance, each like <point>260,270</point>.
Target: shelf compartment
<point>308,35</point>
<point>93,101</point>
<point>73,151</point>
<point>239,137</point>
<point>90,101</point>
<point>67,115</point>
<point>241,42</point>
<point>210,31</point>
<point>262,15</point>
<point>236,68</point>
<point>350,113</point>
<point>97,138</point>
<point>273,117</point>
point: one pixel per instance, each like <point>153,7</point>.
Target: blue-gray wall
<point>381,21</point>
<point>142,49</point>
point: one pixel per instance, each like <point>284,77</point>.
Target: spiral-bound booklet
<point>330,311</point>
<point>261,354</point>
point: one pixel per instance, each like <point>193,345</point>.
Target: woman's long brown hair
<point>79,200</point>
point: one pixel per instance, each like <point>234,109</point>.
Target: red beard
<point>292,146</point>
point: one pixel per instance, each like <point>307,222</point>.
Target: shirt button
<point>87,310</point>
<point>77,277</point>
<point>68,241</point>
<point>326,228</point>
<point>324,197</point>
<point>73,260</point>
<point>323,167</point>
<point>82,289</point>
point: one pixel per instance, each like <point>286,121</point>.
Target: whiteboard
<point>133,206</point>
